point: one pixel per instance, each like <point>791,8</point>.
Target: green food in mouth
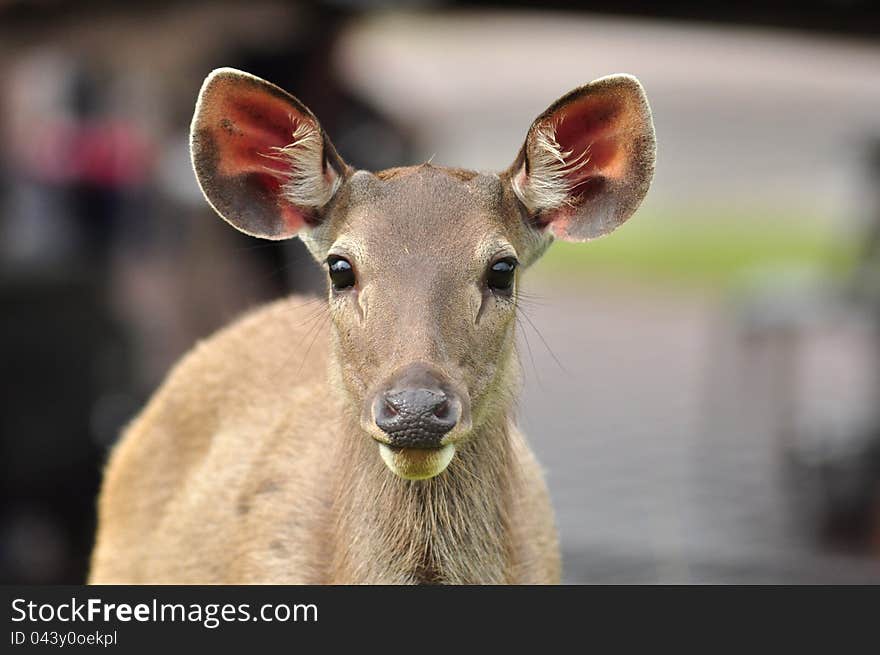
<point>417,463</point>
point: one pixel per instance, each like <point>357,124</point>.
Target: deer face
<point>422,262</point>
<point>422,265</point>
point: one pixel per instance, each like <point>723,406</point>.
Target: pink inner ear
<point>591,128</point>
<point>250,125</point>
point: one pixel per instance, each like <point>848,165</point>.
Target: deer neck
<point>446,530</point>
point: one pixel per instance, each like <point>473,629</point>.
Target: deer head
<point>423,262</point>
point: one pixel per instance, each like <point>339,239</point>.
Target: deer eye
<point>499,277</point>
<point>341,272</point>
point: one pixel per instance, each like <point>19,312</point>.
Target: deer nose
<point>416,416</point>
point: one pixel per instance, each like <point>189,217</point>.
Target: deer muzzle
<point>416,417</point>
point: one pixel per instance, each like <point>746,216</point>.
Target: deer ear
<point>588,160</point>
<point>260,156</point>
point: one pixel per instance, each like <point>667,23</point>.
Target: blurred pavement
<point>647,486</point>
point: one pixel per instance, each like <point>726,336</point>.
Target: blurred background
<point>702,387</point>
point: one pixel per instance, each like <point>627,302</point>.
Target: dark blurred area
<point>112,265</point>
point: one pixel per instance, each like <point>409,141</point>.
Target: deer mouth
<point>416,463</point>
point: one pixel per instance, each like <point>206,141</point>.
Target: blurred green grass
<point>706,249</point>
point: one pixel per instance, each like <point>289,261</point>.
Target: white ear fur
<point>588,160</point>
<point>548,184</point>
<point>305,183</point>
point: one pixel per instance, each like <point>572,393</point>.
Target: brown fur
<point>232,483</point>
<point>253,463</point>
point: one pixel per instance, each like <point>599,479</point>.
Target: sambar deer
<point>387,452</point>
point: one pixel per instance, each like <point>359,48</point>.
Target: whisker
<point>546,345</point>
<point>316,311</point>
<point>321,325</point>
<point>313,319</point>
<point>531,298</point>
<point>531,354</point>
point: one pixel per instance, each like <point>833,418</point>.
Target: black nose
<point>415,417</point>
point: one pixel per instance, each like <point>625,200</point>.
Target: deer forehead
<point>426,213</point>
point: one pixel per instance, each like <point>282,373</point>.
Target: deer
<point>387,450</point>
